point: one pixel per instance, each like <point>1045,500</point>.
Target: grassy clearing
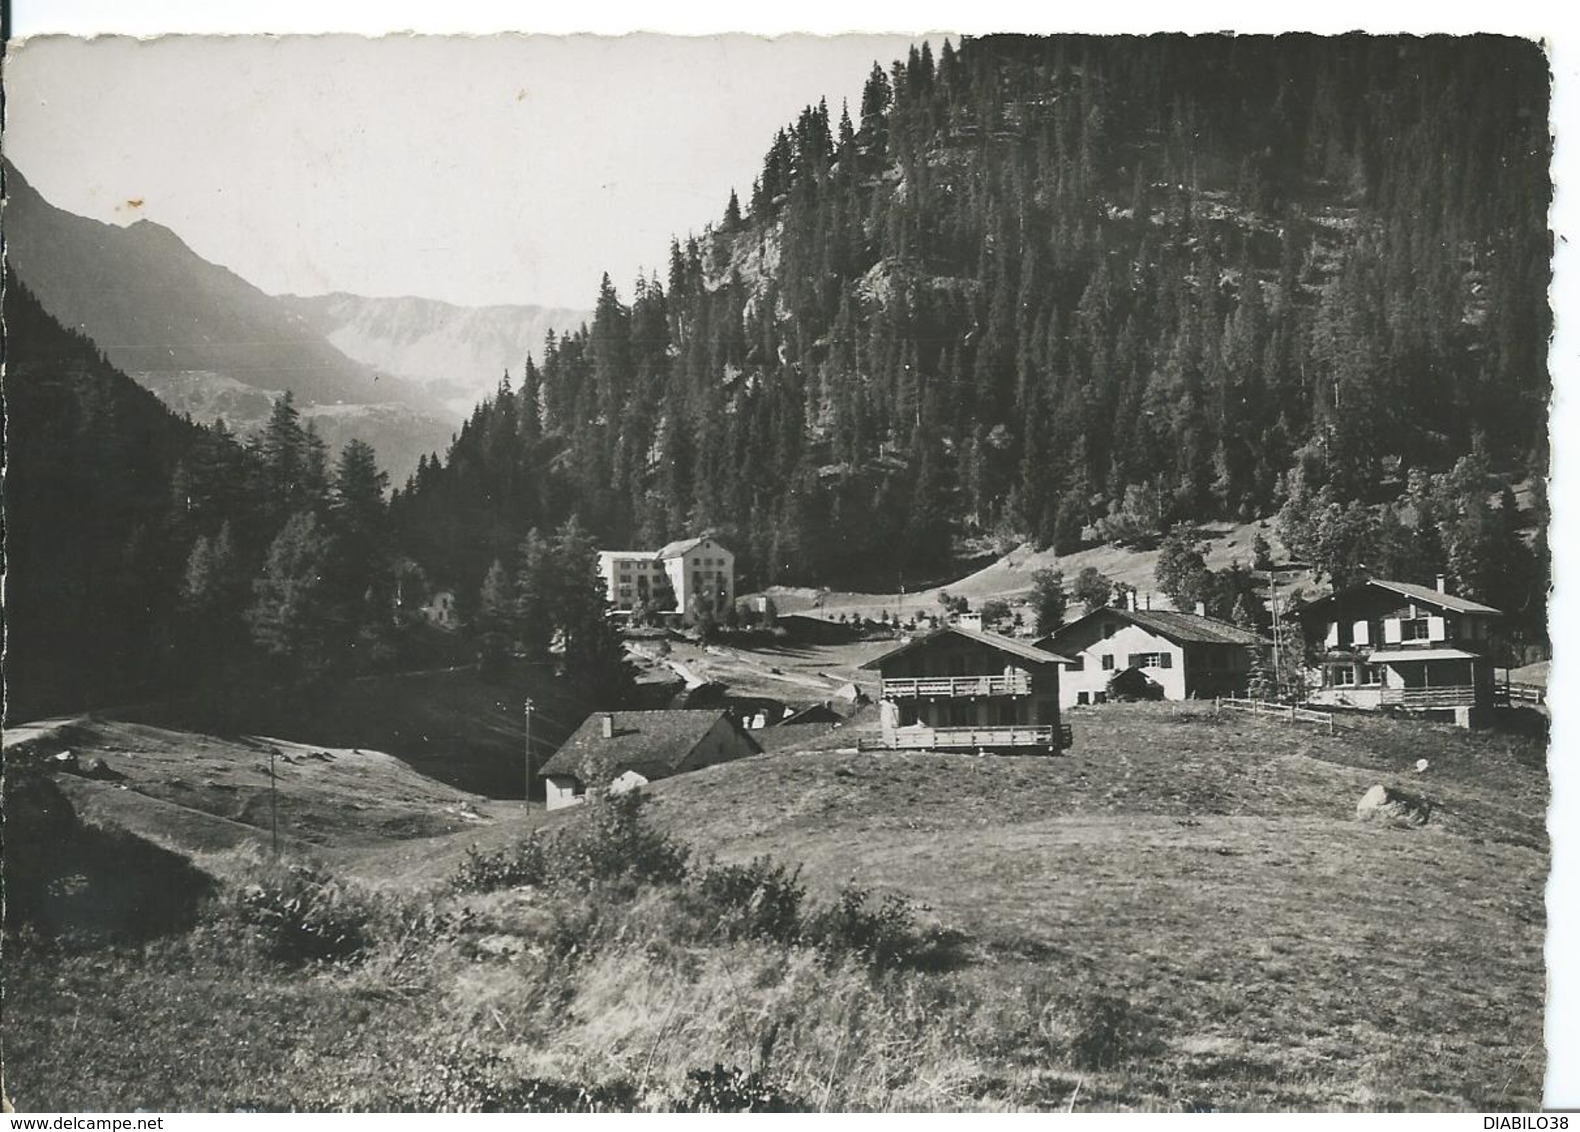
<point>1009,578</point>
<point>1181,914</point>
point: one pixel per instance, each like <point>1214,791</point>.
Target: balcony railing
<point>1448,696</point>
<point>1037,737</point>
<point>1016,685</point>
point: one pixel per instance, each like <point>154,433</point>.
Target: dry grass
<point>1183,913</point>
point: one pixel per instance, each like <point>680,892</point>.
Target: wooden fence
<point>1288,712</point>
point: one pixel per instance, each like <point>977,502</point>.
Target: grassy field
<point>1010,577</point>
<point>1183,913</point>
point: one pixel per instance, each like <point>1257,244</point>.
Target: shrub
<point>1109,1032</point>
<point>613,843</point>
<point>732,1089</point>
<point>607,842</point>
<point>303,915</point>
<point>514,865</point>
<point>760,900</point>
<point>884,936</point>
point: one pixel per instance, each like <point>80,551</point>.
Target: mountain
<point>89,461</point>
<point>200,337</point>
<point>455,354</point>
<point>1066,290</point>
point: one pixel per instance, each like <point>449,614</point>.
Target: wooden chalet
<point>1385,644</point>
<point>960,689</point>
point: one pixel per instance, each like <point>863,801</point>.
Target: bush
<point>520,864</point>
<point>732,1089</point>
<point>884,936</point>
<point>607,842</point>
<point>304,915</point>
<point>1110,1031</point>
<point>761,900</point>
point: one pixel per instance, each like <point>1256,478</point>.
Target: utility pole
<point>1278,669</point>
<point>274,815</point>
<point>526,797</point>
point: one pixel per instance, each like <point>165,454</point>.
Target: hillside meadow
<point>1182,913</point>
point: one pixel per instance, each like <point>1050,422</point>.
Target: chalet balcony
<point>1424,699</point>
<point>1028,739</point>
<point>957,686</point>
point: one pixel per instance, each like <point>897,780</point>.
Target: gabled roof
<point>652,743</point>
<point>679,546</point>
<point>1425,595</point>
<point>1018,649</point>
<point>1181,628</point>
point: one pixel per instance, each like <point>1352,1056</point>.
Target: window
<point>1342,676</point>
<point>1083,697</point>
<point>1370,674</point>
<point>1414,629</point>
<point>1151,660</point>
<point>1108,662</point>
<point>1079,664</point>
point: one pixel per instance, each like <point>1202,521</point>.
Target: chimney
<point>1442,584</point>
<point>1130,601</point>
<point>1149,599</point>
<point>608,725</point>
<point>1201,609</point>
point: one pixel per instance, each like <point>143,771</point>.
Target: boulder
<point>1385,804</point>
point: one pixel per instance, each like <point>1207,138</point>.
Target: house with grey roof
<point>1397,645</point>
<point>1163,653</point>
<point>632,748</point>
<point>960,689</point>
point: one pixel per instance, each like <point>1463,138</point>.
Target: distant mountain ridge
<point>201,337</point>
<point>456,354</point>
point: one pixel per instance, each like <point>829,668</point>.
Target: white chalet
<point>1177,656</point>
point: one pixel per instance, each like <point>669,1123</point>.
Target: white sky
<point>479,170</point>
<point>401,168</point>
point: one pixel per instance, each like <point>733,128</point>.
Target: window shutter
<point>1168,660</point>
<point>1391,631</point>
<point>1435,629</point>
<point>1362,633</point>
<point>1333,634</point>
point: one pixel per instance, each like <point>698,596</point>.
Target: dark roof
<point>1181,628</point>
<point>1424,594</point>
<point>652,743</point>
<point>679,546</point>
<point>1003,644</point>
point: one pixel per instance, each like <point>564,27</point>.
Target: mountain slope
<point>89,461</point>
<point>456,354</point>
<point>198,335</point>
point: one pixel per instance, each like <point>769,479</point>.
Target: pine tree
<point>1048,600</point>
<point>496,603</point>
<point>290,617</point>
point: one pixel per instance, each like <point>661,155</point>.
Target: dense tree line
<point>1053,289</point>
<point>152,558</point>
